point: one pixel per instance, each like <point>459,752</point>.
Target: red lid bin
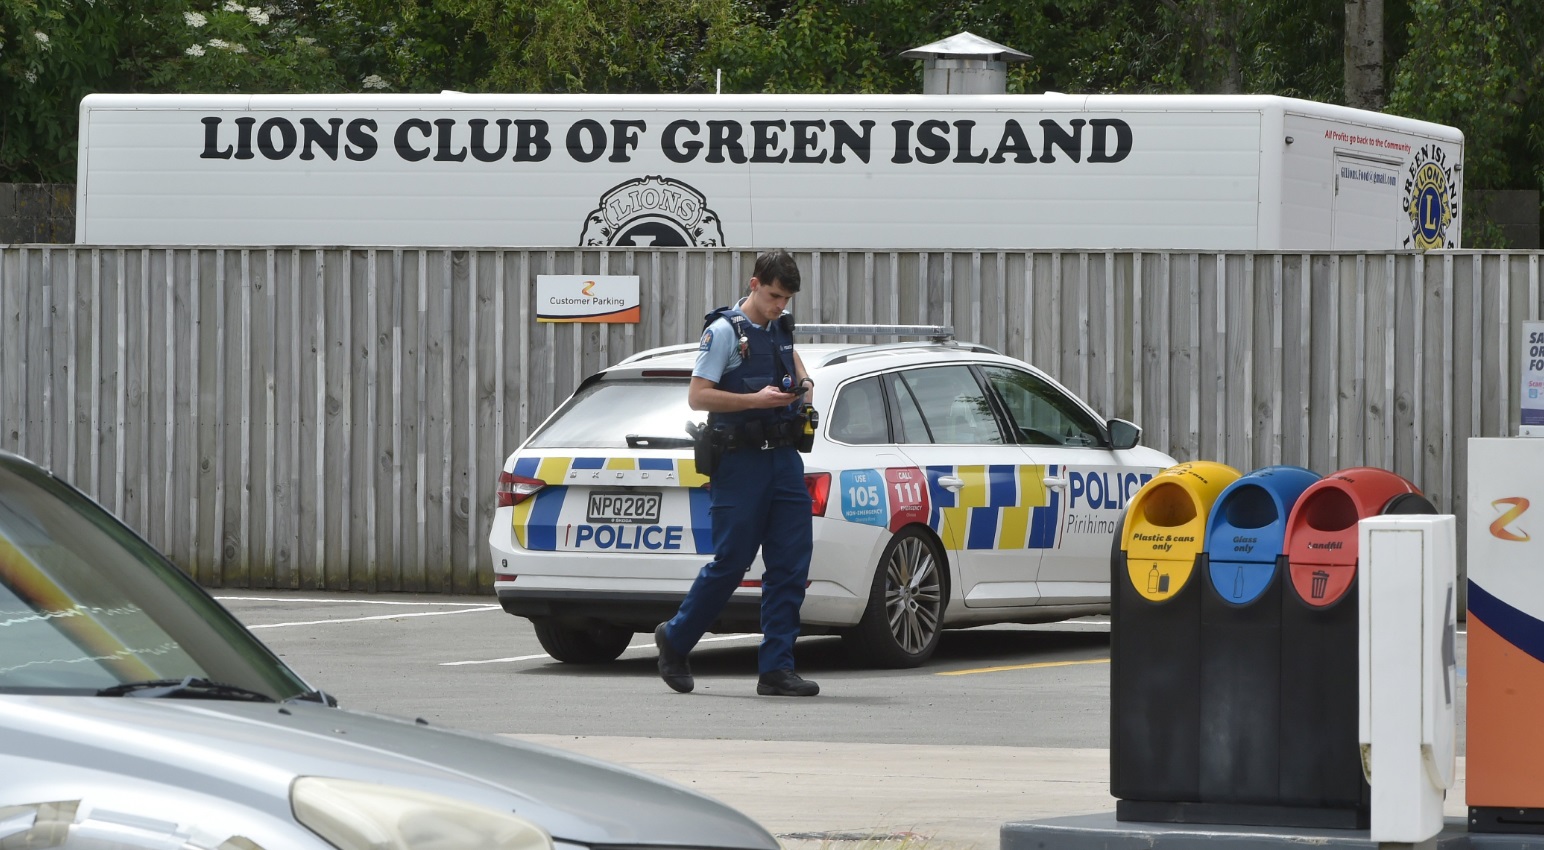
<point>1321,542</point>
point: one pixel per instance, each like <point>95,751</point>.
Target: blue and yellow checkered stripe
<point>1000,506</point>
<point>536,520</point>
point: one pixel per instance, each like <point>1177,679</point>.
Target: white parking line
<point>478,605</point>
<point>649,645</point>
<point>377,617</point>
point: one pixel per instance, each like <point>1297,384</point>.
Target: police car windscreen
<point>603,414</point>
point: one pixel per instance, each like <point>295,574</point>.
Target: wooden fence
<point>336,418</point>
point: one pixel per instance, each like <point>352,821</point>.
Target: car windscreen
<point>85,604</point>
<point>605,413</point>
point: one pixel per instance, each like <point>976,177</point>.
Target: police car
<point>952,486</point>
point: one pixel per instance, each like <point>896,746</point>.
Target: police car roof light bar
<point>937,333</point>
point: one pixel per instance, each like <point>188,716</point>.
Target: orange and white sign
<point>1505,742</point>
<point>587,298</point>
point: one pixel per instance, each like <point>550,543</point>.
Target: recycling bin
<point>1321,770</point>
<point>1155,638</point>
<point>1246,533</point>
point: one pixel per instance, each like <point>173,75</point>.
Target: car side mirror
<point>1123,434</point>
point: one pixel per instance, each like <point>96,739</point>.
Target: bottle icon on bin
<point>1157,582</point>
<point>1321,580</point>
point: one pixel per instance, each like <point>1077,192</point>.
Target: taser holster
<point>705,450</point>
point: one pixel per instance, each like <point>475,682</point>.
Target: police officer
<point>750,380</point>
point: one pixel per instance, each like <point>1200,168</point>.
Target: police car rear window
<point>603,414</point>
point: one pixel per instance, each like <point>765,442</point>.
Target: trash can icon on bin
<point>1321,770</point>
<point>1241,645</point>
<point>1320,584</point>
<point>1155,636</point>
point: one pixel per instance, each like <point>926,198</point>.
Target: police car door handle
<point>950,483</point>
<point>1055,483</point>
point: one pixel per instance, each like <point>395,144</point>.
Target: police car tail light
<point>819,485</point>
<point>513,489</point>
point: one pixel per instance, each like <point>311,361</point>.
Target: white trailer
<point>1222,173</point>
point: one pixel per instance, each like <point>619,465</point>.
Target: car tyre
<point>593,643</point>
<point>904,617</point>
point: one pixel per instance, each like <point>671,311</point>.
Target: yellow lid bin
<point>1155,642</point>
<point>1166,526</point>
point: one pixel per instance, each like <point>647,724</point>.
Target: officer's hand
<point>770,397</point>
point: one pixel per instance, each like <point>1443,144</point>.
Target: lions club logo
<point>653,212</point>
<point>1430,200</point>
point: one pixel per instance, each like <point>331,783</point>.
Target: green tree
<point>51,55</point>
<point>227,47</point>
<point>55,52</point>
<point>1084,46</point>
<point>638,46</point>
<point>1243,46</point>
<point>1473,64</point>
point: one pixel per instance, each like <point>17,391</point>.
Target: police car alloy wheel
<point>904,617</point>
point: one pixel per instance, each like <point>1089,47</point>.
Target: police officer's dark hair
<point>777,267</point>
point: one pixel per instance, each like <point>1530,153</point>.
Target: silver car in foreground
<point>135,711</point>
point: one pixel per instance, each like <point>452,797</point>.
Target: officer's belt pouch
<point>705,450</point>
<point>807,422</point>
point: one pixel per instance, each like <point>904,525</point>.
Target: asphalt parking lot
<point>1005,723</point>
<point>463,662</point>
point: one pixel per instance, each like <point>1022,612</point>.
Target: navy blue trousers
<point>758,501</point>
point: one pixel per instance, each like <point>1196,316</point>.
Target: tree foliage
<point>1469,63</point>
<point>51,55</point>
<point>231,48</point>
<point>1475,64</point>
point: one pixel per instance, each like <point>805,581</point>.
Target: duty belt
<point>758,435</point>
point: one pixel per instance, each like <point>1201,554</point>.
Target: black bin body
<point>1240,740</point>
<point>1320,756</point>
<point>1155,593</point>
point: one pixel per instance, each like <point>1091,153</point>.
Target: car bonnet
<point>260,748</point>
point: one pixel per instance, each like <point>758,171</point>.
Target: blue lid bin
<point>1240,677</point>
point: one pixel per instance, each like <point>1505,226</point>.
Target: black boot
<point>673,666</point>
<point>785,683</point>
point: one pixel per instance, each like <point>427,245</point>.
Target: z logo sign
<point>1499,527</point>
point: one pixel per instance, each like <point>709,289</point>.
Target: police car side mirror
<point>1123,434</point>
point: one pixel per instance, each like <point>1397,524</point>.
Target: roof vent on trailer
<point>964,63</point>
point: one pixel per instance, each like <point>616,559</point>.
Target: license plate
<point>624,506</point>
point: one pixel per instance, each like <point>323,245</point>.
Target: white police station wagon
<point>952,487</point>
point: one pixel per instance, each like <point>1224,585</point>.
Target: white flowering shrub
<point>54,52</point>
<point>236,46</point>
